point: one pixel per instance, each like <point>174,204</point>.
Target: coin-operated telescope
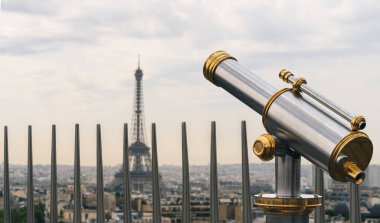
<point>299,122</point>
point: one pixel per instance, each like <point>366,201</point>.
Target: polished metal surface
<point>156,180</point>
<point>247,217</point>
<point>7,200</point>
<point>355,215</point>
<point>273,218</point>
<point>288,170</point>
<point>186,208</point>
<point>304,127</point>
<point>295,119</point>
<point>288,77</point>
<point>243,84</point>
<point>332,106</point>
<point>30,188</point>
<point>127,208</point>
<point>314,134</point>
<point>214,198</point>
<point>77,184</point>
<point>320,190</point>
<point>99,177</point>
<point>53,173</point>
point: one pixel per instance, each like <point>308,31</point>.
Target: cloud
<point>31,7</point>
<point>64,61</point>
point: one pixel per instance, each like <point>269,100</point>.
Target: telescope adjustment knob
<point>265,147</point>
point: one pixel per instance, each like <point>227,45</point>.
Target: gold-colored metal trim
<point>270,102</point>
<point>284,75</point>
<point>356,121</point>
<point>355,145</point>
<point>297,84</point>
<point>265,147</point>
<point>354,172</point>
<point>304,204</point>
<point>213,62</point>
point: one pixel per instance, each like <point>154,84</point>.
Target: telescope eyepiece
<point>358,123</point>
<point>355,174</point>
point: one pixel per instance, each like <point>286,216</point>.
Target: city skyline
<point>64,65</point>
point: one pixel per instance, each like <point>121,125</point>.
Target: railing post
<point>155,175</point>
<point>7,205</point>
<point>247,217</point>
<point>127,187</point>
<point>319,189</point>
<point>214,199</point>
<point>77,185</point>
<point>99,177</point>
<point>186,216</point>
<point>30,189</point>
<point>53,179</point>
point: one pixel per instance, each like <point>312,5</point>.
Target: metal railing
<point>127,210</point>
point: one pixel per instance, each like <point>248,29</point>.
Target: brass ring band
<point>355,122</point>
<point>297,84</point>
<point>213,62</point>
<point>270,102</point>
<point>360,155</point>
<point>284,75</point>
<point>304,204</point>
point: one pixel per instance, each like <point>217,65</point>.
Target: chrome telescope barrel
<point>296,120</point>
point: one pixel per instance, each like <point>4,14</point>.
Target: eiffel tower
<point>139,153</point>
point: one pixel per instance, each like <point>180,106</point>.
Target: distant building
<point>374,176</point>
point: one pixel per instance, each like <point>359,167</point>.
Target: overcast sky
<point>67,62</point>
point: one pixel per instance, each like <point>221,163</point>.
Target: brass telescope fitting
<point>288,77</point>
<point>343,169</point>
<point>273,204</point>
<point>354,173</point>
<point>284,75</point>
<point>212,64</point>
<point>297,84</point>
<point>265,147</point>
<point>358,123</point>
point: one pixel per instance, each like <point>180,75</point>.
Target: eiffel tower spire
<point>138,120</point>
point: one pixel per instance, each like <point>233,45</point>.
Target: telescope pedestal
<point>287,205</point>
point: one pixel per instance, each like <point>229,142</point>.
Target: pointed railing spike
<point>319,189</point>
<point>53,179</point>
<point>247,218</point>
<point>127,186</point>
<point>186,217</point>
<point>155,176</point>
<point>214,199</point>
<point>355,215</point>
<point>77,184</point>
<point>7,200</point>
<point>99,177</point>
<point>30,189</point>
